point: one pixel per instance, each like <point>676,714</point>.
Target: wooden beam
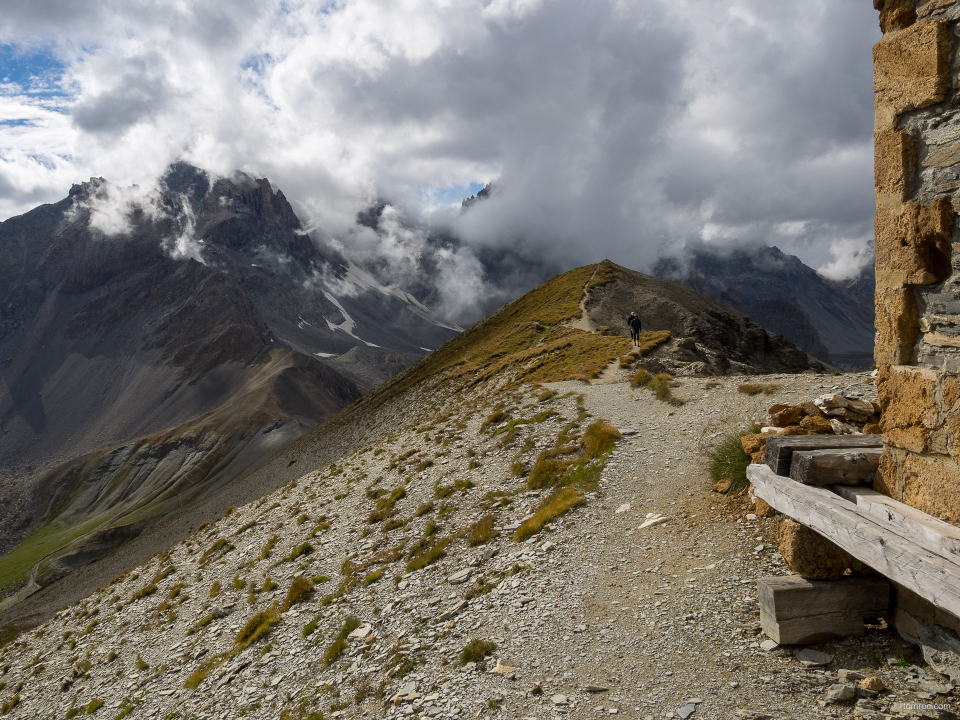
<point>795,611</point>
<point>835,467</point>
<point>936,535</point>
<point>791,596</point>
<point>780,449</point>
<point>930,575</point>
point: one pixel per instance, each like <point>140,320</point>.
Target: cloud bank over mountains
<point>611,129</point>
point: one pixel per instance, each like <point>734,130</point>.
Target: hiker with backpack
<point>633,322</point>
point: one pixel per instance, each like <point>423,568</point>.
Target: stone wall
<point>917,176</point>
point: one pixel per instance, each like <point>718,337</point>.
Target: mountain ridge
<point>185,330</point>
<point>832,320</point>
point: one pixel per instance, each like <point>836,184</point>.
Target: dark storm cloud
<point>140,92</point>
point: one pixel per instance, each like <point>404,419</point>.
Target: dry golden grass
<point>529,333</point>
<point>553,507</point>
<point>599,438</point>
<point>650,341</point>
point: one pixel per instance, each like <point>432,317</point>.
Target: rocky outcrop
<point>707,337</point>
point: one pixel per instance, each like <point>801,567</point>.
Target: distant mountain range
<point>831,320</point>
<point>155,346</point>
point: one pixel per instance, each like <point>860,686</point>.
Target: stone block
<point>817,424</point>
<point>785,417</point>
<point>763,509</point>
<point>931,483</point>
<point>914,244</point>
<point>895,162</point>
<point>889,477</point>
<point>927,7</point>
<point>907,396</point>
<point>810,408</point>
<point>810,555</point>
<point>911,66</point>
<point>895,14</point>
<point>898,324</point>
<point>753,443</point>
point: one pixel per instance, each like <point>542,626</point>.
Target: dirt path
<point>671,610</point>
<point>584,322</point>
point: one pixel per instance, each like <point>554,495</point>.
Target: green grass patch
<point>726,460</point>
<point>384,507</point>
<point>16,565</point>
<point>255,628</point>
<point>336,648</point>
<point>299,551</point>
<point>428,555</point>
<point>144,592</point>
<point>445,491</point>
<point>476,650</point>
<point>92,706</point>
<point>220,548</point>
<point>200,624</point>
<point>311,627</point>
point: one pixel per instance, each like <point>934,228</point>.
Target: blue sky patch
<point>36,71</point>
<point>452,193</point>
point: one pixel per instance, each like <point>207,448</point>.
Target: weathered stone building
<point>917,175</point>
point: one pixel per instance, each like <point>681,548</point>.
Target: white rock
<point>460,577</point>
<point>652,520</point>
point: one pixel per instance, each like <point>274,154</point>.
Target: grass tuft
<point>476,650</point>
<point>429,555</point>
<point>552,507</point>
<point>256,627</point>
<point>300,590</point>
<point>384,507</point>
<point>336,648</point>
<point>300,550</point>
<point>481,532</point>
<point>726,460</point>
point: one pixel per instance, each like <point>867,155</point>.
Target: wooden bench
<point>901,543</point>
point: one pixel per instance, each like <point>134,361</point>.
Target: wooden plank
<point>791,596</point>
<point>936,535</point>
<point>835,467</point>
<point>932,576</point>
<point>780,449</point>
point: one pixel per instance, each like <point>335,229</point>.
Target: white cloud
<point>848,257</point>
<point>611,128</point>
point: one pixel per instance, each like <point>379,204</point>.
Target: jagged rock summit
<point>157,344</point>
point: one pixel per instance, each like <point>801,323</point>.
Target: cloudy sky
<point>610,128</point>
